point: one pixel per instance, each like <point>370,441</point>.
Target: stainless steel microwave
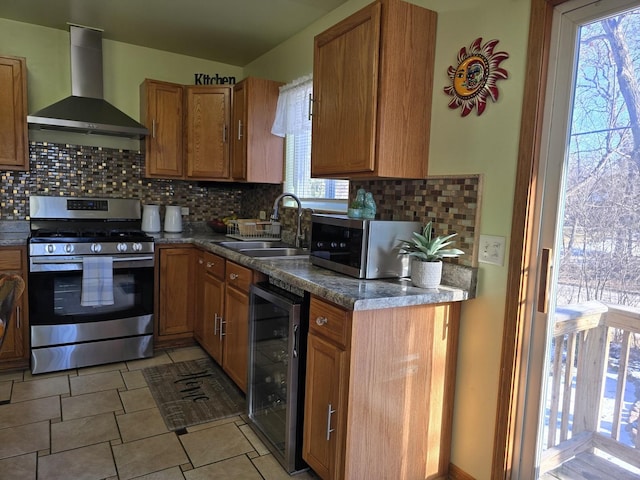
<point>360,248</point>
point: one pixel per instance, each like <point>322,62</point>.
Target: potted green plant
<point>428,251</point>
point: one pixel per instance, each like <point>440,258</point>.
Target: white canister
<point>151,218</point>
<point>173,219</point>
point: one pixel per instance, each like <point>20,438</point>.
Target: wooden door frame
<point>524,204</point>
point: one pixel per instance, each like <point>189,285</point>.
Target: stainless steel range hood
<point>86,111</point>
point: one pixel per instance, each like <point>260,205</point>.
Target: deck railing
<point>585,415</point>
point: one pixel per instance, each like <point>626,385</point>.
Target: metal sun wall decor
<point>475,76</point>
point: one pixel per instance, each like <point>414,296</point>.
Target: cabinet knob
<point>233,276</point>
<point>322,321</point>
<point>200,261</point>
<point>210,264</point>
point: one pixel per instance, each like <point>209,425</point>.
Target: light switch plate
<point>491,250</point>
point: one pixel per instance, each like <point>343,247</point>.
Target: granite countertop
<point>348,292</point>
<point>459,282</point>
<point>14,233</point>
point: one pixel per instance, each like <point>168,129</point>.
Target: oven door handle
<point>52,261</point>
<point>132,259</point>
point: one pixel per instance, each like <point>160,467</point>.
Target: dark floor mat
<point>193,392</point>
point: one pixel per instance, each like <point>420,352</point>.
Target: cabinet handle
<point>239,129</point>
<point>153,128</point>
<point>220,332</point>
<point>322,321</point>
<point>210,264</point>
<point>200,261</point>
<point>310,107</point>
<point>330,411</point>
<point>295,342</point>
<point>224,133</point>
<point>233,276</point>
<point>18,317</point>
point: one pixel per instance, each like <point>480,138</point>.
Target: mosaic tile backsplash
<point>57,169</point>
<point>453,203</point>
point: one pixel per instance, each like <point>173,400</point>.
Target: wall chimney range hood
<point>86,111</point>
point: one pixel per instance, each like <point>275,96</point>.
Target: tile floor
<point>102,423</point>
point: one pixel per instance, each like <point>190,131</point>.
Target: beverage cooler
<point>277,361</point>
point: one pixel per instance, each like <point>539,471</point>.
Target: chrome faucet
<point>275,216</point>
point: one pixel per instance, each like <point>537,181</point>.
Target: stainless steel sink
<point>265,249</point>
<point>240,245</point>
<point>275,252</point>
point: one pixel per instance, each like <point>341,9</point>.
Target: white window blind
<point>292,122</point>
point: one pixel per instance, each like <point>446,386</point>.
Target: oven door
<point>55,287</point>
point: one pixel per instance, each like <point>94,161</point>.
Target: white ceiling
<point>229,31</point>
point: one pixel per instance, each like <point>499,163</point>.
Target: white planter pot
<point>426,274</point>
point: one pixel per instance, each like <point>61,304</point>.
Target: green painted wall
<point>125,66</point>
<point>486,144</point>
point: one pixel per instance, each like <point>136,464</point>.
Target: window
<point>292,122</point>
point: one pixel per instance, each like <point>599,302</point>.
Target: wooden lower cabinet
<point>379,391</point>
<point>210,306</point>
<point>222,313</point>
<point>235,353</point>
<point>324,410</point>
<point>236,336</point>
<point>15,348</point>
<point>175,294</point>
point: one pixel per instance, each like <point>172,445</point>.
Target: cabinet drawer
<point>330,321</point>
<point>214,265</point>
<point>238,276</point>
<point>10,259</point>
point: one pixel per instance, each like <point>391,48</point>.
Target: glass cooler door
<point>273,372</point>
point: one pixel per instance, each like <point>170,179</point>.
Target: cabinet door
<point>213,301</point>
<point>257,154</point>
<point>15,349</point>
<point>323,433</point>
<point>14,149</point>
<point>162,109</point>
<point>239,132</point>
<point>208,117</point>
<point>199,309</point>
<point>176,292</point>
<point>345,88</point>
<point>236,336</point>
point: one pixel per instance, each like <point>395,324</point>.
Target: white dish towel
<point>97,281</point>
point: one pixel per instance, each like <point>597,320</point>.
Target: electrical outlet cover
<point>491,250</point>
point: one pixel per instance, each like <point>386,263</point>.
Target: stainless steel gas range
<point>90,282</point>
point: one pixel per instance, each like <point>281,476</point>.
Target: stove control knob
<point>96,248</point>
<point>121,247</point>
<point>50,248</point>
<point>137,247</point>
<point>68,248</point>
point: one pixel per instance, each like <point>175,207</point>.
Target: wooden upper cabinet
<point>161,105</point>
<point>373,82</point>
<point>257,154</point>
<point>14,146</point>
<point>208,111</point>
